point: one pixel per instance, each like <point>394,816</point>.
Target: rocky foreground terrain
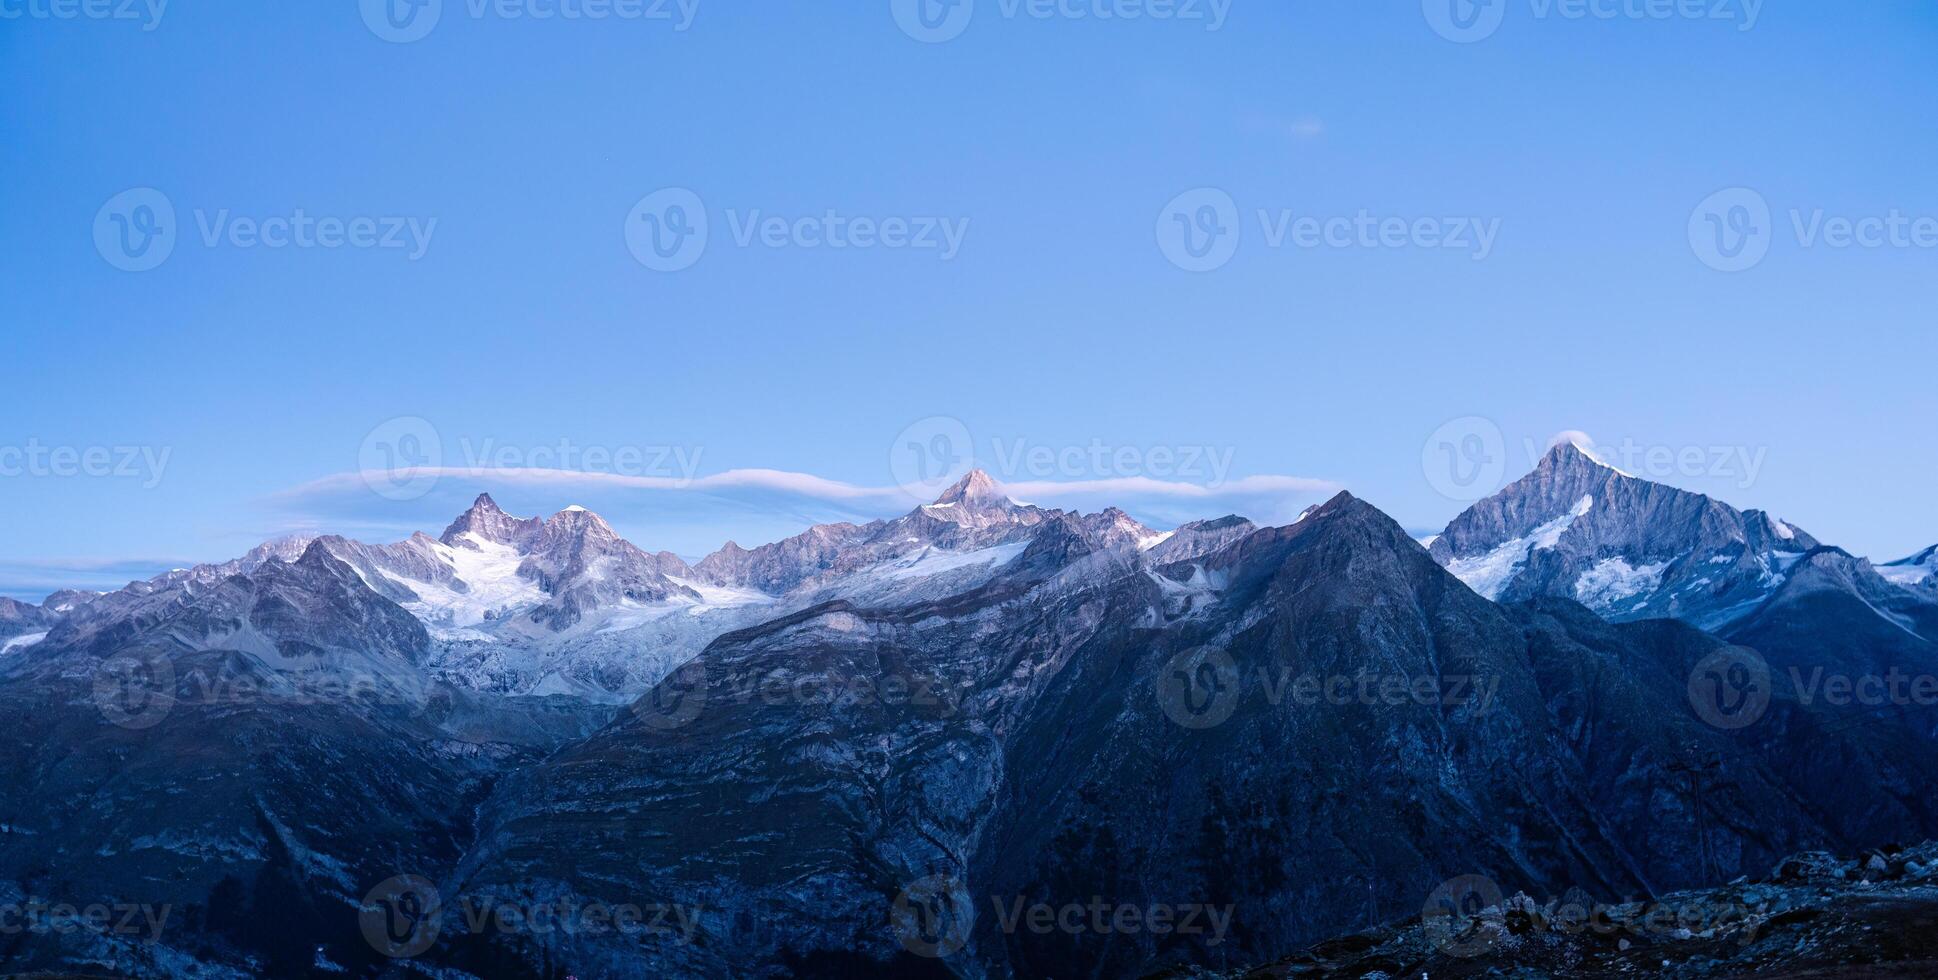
<point>1813,916</point>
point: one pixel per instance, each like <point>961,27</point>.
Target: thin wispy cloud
<point>801,484</point>
<point>32,579</point>
<point>750,506</point>
<point>804,485</point>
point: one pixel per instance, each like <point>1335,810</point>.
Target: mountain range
<point>849,751</point>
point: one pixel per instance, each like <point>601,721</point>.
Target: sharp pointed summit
<point>1578,528</point>
<point>487,521</point>
<point>974,489</point>
<point>1573,454</point>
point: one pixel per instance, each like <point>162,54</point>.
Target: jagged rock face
<point>487,521</point>
<point>1017,699</point>
<point>1920,571</point>
<point>390,568</point>
<point>1692,804</point>
<point>250,809</point>
<point>565,605</point>
<point>1628,548</point>
<point>1201,538</point>
<point>583,565</point>
<point>1833,618</point>
<point>1053,771</point>
<point>969,516</point>
<point>312,613</point>
<point>19,618</point>
<point>253,754</point>
<point>67,600</point>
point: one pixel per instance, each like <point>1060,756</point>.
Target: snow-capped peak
<point>1575,449</point>
<point>488,521</point>
<point>974,489</point>
<point>1920,569</point>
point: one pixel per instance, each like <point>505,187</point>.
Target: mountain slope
<point>1918,571</point>
<point>251,753</point>
<point>1628,548</point>
<point>1053,766</point>
<point>21,619</point>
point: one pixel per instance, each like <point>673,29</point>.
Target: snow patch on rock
<point>1614,580</point>
<point>1489,574</point>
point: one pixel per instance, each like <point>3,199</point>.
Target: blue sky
<point>487,184</point>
